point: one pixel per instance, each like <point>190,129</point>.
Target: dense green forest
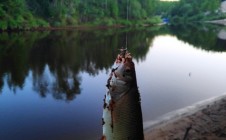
<point>30,14</point>
<point>24,14</point>
<point>195,10</point>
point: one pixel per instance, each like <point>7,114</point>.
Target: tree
<point>194,10</point>
<point>114,9</point>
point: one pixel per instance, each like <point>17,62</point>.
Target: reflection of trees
<point>14,57</point>
<point>62,84</point>
<point>55,59</point>
<point>201,36</point>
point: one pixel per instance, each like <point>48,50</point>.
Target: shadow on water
<point>63,54</point>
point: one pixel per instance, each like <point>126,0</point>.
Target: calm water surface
<point>52,84</point>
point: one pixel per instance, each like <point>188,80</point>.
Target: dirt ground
<point>207,123</point>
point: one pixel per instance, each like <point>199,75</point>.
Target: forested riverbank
<point>39,14</point>
<point>27,14</point>
<point>187,11</point>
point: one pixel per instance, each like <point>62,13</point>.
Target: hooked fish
<point>122,116</point>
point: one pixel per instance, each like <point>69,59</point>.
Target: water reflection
<point>177,74</point>
<point>64,54</point>
<point>14,57</point>
<point>61,56</point>
<point>205,36</point>
<point>62,64</point>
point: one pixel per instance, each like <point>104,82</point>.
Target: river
<point>52,84</point>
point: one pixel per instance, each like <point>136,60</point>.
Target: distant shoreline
<point>219,22</point>
<point>92,26</point>
<point>77,27</point>
<point>51,28</point>
<point>81,27</point>
<point>207,120</point>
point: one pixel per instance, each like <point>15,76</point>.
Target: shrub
<point>3,24</point>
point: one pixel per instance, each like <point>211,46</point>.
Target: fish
<point>122,115</point>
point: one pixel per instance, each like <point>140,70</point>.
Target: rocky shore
<point>203,121</point>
